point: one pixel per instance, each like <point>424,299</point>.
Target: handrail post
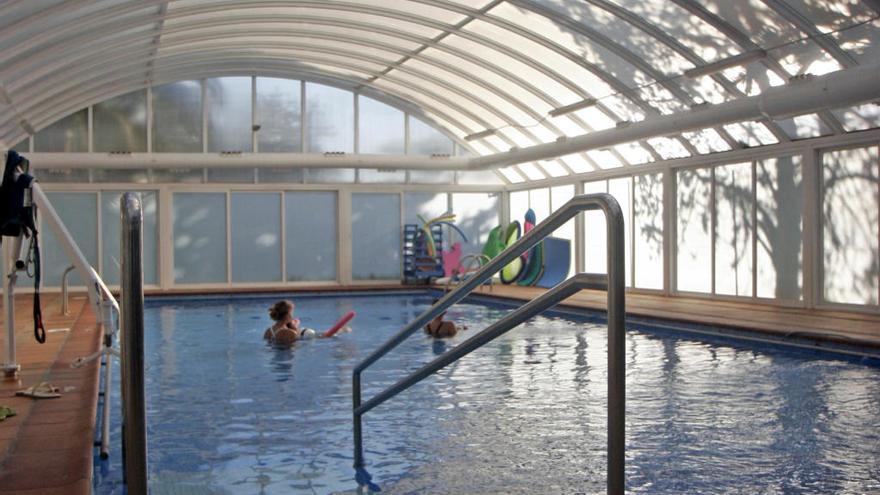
<point>11,366</point>
<point>134,434</point>
<point>616,356</point>
<point>64,301</point>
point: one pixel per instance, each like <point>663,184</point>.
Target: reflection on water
<point>526,414</point>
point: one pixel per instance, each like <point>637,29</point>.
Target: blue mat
<point>557,259</point>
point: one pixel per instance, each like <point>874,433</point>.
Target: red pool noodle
<point>339,324</point>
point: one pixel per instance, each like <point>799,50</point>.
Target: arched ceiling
<point>499,74</point>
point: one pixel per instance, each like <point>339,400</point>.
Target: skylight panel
<point>668,148</point>
<point>430,103</point>
<point>750,133</point>
<point>805,57</point>
<point>707,141</point>
<point>859,118</point>
<point>804,126</point>
<point>604,158</point>
<point>578,164</point>
<point>763,25</point>
<point>553,168</point>
<point>518,137</point>
<point>531,171</point>
<point>862,42</point>
<point>512,175</point>
<point>831,16</point>
<point>596,118</point>
<point>568,126</point>
<point>662,99</point>
<point>634,153</point>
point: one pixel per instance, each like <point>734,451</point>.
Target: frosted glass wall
<point>256,236</point>
<point>380,127</point>
<point>228,100</point>
<point>694,260</point>
<point>375,236</point>
<point>851,229</point>
<point>427,205</point>
<point>329,119</point>
<point>110,236</point>
<point>426,140</point>
<point>68,135</point>
<point>648,231</point>
<point>560,195</point>
<point>475,214</point>
<point>279,115</point>
<point>733,230</point>
<point>779,204</point>
<point>310,235</point>
<point>199,238</point>
<point>120,124</point>
<point>177,117</point>
<point>79,213</point>
<point>595,233</point>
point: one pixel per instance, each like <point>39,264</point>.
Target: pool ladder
<point>613,283</point>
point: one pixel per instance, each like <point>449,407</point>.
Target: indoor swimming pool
<point>228,413</point>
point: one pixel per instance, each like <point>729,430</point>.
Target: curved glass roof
<point>496,74</point>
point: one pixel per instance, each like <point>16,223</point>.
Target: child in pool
<point>287,329</point>
<point>440,328</point>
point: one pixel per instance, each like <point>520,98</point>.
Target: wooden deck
<point>859,329</point>
<point>47,447</point>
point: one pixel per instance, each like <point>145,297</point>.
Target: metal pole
<point>616,355</point>
<point>133,407</point>
<point>64,301</point>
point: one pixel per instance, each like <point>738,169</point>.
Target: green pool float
<point>512,270</point>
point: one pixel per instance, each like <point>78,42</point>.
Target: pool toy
<point>423,254</point>
<point>339,324</point>
<point>557,259</point>
<point>534,264</point>
<point>494,244</point>
<point>512,270</point>
<point>451,260</point>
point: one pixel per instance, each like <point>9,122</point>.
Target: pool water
<point>229,414</point>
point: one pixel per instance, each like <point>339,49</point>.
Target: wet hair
<point>280,309</point>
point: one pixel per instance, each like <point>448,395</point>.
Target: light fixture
<point>741,59</point>
<point>479,135</point>
<point>574,107</point>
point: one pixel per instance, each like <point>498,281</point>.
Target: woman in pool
<point>440,328</point>
<point>286,329</point>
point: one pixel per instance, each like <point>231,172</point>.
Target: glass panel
<point>804,126</point>
<point>780,201</point>
<point>733,230</point>
<point>256,237</point>
<point>199,237</point>
<point>187,175</point>
<point>279,175</point>
<point>553,168</point>
<point>519,204</point>
<point>539,202</point>
<point>110,236</point>
<point>512,175</point>
<point>428,205</point>
<point>380,127</point>
<point>79,213</point>
<point>329,119</point>
<point>136,176</point>
<point>229,113</point>
<point>381,176</point>
<point>859,118</point>
<point>233,175</point>
<point>476,215</point>
<point>648,235</point>
<point>426,140</point>
<point>120,124</point>
<point>66,175</point>
<point>69,135</point>
<point>850,238</point>
<point>531,171</point>
<point>330,175</point>
<point>375,236</point>
<point>595,233</point>
<point>432,177</point>
<point>310,228</point>
<point>621,190</point>
<point>279,114</point>
<point>558,197</point>
<point>22,146</point>
<point>480,177</point>
<point>177,117</point>
<point>694,260</point>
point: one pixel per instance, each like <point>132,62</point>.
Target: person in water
<point>440,328</point>
<point>286,329</point>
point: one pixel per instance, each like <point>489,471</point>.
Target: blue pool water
<point>228,414</point>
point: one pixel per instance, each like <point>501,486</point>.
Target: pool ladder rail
<point>613,283</point>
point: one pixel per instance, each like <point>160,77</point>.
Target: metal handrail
<point>134,434</point>
<point>615,287</point>
<point>64,298</point>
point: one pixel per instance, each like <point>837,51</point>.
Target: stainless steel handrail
<point>134,431</point>
<point>64,300</point>
<point>615,288</point>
